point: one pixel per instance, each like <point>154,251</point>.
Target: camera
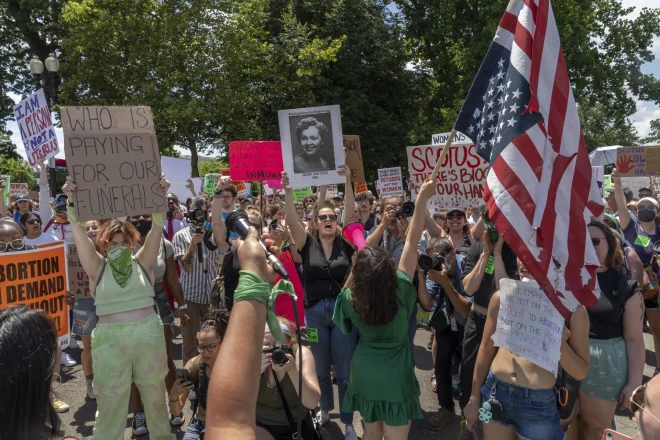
<point>279,353</point>
<point>405,210</point>
<point>197,216</point>
<point>431,262</point>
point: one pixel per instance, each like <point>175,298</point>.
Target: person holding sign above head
<point>326,262</point>
<point>615,338</point>
<point>513,396</point>
<point>128,343</point>
<point>314,139</point>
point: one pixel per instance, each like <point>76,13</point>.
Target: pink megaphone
<point>354,233</point>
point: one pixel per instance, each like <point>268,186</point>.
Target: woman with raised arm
<point>128,343</point>
<point>326,260</point>
<point>378,300</point>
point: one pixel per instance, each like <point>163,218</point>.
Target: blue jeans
<point>333,348</point>
<point>531,412</point>
<point>194,431</point>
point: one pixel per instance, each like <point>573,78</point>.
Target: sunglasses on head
<point>637,399</point>
<point>16,245</point>
<point>331,217</point>
<point>33,221</point>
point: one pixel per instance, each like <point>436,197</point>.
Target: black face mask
<point>143,226</point>
<point>646,216</point>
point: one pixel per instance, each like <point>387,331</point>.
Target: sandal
<point>434,384</point>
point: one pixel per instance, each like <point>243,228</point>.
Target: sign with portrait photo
<point>312,145</point>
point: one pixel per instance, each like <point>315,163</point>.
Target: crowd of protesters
<point>357,312</point>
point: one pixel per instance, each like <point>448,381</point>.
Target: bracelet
<point>224,253</point>
<point>183,307</point>
<point>217,194</point>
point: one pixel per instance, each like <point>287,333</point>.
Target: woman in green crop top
<point>128,344</point>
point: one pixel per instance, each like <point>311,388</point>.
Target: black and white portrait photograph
<point>312,145</point>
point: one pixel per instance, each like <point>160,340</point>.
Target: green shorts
<point>126,352</point>
<point>608,369</point>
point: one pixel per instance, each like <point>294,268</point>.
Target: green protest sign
<point>5,193</point>
<point>300,194</point>
<point>210,182</point>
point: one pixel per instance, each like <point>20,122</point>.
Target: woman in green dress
<point>378,300</point>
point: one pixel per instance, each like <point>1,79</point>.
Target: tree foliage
<point>19,171</point>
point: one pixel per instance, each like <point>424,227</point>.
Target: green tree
<point>7,148</point>
<point>654,136</point>
<point>19,171</point>
<point>211,166</point>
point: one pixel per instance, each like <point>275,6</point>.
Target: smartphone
<point>273,225</point>
<point>613,435</point>
<point>183,374</point>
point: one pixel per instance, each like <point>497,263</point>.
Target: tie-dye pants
<point>125,353</point>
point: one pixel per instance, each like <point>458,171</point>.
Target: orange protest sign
<point>239,184</point>
<point>37,278</point>
<point>361,188</point>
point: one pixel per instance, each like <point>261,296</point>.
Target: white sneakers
<point>73,343</point>
<point>67,361</point>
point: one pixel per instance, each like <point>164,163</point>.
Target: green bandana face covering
<point>119,259</point>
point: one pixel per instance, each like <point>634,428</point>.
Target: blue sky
<point>646,111</point>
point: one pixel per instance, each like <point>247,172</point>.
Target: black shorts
<point>283,432</point>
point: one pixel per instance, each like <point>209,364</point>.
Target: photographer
<point>199,370</point>
<point>442,294</point>
<point>277,403</point>
<point>196,275</point>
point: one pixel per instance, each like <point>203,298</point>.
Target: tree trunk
<point>192,146</point>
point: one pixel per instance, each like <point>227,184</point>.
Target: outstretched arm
<point>149,252</point>
<point>297,232</point>
<point>408,262</point>
<point>349,197</point>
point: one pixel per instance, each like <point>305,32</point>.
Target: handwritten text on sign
<point>18,188</point>
<point>37,278</point>
<point>112,154</point>
<point>528,325</point>
<point>78,279</point>
<point>461,179</point>
<point>354,157</point>
<point>36,128</point>
<point>255,160</point>
<point>391,182</point>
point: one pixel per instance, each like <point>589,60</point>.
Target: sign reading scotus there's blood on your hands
<point>112,154</point>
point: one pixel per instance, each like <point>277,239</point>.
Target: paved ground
<point>79,420</point>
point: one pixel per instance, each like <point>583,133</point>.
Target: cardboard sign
<point>300,194</point>
<point>112,154</point>
<point>255,160</point>
<point>638,161</point>
<point>598,174</point>
<point>354,158</point>
<point>461,180</point>
<point>36,128</point>
<point>652,161</point>
<point>78,279</point>
<point>655,185</point>
<point>37,278</point>
<point>18,188</point>
<point>391,181</point>
<point>528,325</point>
<point>361,188</point>
<point>5,193</point>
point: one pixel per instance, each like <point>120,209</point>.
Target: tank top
<point>270,408</point>
<point>110,297</point>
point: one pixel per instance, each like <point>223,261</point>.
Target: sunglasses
<point>33,221</point>
<point>331,217</point>
<point>646,208</point>
<point>16,245</point>
<point>457,216</point>
<point>637,399</point>
<point>595,241</point>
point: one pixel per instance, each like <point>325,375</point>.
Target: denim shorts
<point>163,308</point>
<point>84,317</point>
<point>533,413</point>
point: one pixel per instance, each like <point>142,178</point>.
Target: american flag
<point>522,116</point>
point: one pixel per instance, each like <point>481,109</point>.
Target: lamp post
<point>52,82</point>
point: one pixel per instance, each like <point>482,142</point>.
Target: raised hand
<point>625,164</point>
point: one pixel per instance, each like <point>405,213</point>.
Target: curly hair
<point>305,123</point>
<point>114,227</point>
<point>216,321</point>
<point>373,286</point>
<point>614,252</point>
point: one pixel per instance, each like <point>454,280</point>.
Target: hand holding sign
<point>625,164</point>
<point>3,184</point>
<point>616,177</point>
<point>285,180</point>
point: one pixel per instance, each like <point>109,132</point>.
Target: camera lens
<point>279,357</point>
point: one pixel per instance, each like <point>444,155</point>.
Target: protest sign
<point>300,194</point>
<point>652,161</point>
<point>177,171</point>
<point>312,145</point>
<point>112,154</point>
<point>37,279</point>
<point>18,188</point>
<point>461,180</point>
<point>331,191</point>
<point>210,182</point>
<point>638,161</point>
<point>598,174</point>
<point>391,181</point>
<point>241,187</point>
<point>5,193</point>
<point>255,160</point>
<point>361,188</point>
<point>655,185</point>
<point>441,138</point>
<point>36,128</point>
<point>528,325</point>
<point>635,183</point>
<point>78,279</point>
<point>607,182</point>
<point>353,151</point>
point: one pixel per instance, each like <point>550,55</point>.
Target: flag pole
<point>450,139</point>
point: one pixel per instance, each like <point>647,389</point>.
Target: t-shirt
<point>606,316</point>
<point>487,286</point>
<point>160,266</point>
<point>641,241</point>
<point>42,239</point>
<point>324,279</point>
<point>232,235</point>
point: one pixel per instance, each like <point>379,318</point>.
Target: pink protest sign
<point>255,160</point>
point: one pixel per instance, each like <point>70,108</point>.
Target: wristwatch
<point>183,307</point>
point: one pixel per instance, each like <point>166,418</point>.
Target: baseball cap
<point>627,192</point>
<point>21,197</point>
<point>650,200</point>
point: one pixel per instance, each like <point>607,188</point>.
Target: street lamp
<point>50,91</point>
